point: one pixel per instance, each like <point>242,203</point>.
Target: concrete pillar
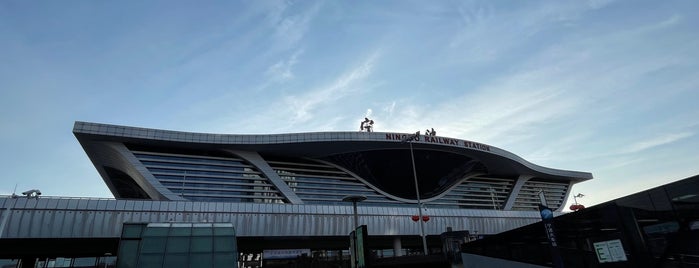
<point>397,247</point>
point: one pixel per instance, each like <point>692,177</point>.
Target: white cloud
<point>669,22</point>
<point>368,113</point>
<point>282,70</point>
<point>597,4</point>
<point>389,108</point>
<point>554,108</point>
<point>656,141</point>
<point>485,31</point>
<point>291,29</point>
<point>302,106</point>
<point>503,110</point>
<point>274,10</point>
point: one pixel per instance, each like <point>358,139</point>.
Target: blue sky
<point>609,87</point>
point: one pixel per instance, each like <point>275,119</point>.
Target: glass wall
<point>199,176</point>
<point>177,245</point>
<point>320,183</point>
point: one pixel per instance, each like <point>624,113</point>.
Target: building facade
<point>318,168</point>
<point>285,191</point>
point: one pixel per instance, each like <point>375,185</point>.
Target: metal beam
<point>256,160</point>
<point>515,191</point>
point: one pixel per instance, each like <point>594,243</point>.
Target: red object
<point>415,218</point>
<point>425,218</point>
<point>576,207</point>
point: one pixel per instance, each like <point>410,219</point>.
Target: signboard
<point>277,254</point>
<point>610,251</point>
<point>358,250</point>
<point>440,140</point>
<point>547,218</point>
<point>360,246</point>
<point>352,250</point>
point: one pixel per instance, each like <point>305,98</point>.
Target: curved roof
<point>318,167</point>
<point>497,161</point>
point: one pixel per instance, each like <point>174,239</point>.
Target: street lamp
<point>409,139</point>
<point>577,206</point>
<point>354,199</point>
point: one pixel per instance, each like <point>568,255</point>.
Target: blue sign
<point>547,219</point>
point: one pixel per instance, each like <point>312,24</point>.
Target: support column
<point>397,247</point>
<point>565,198</point>
<point>515,191</point>
<point>256,160</point>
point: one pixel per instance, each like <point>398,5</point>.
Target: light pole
<point>409,139</point>
<point>577,206</point>
<point>354,199</point>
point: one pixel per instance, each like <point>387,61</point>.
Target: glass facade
<point>448,180</point>
<point>319,183</point>
<point>391,169</point>
<point>318,168</point>
<point>477,193</point>
<point>528,198</point>
<point>197,176</point>
<point>177,245</point>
